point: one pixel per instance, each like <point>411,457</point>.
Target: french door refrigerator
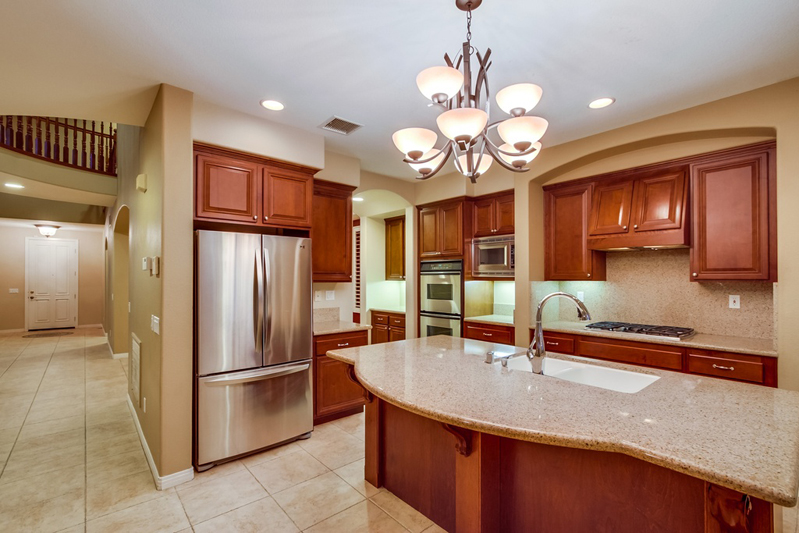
<point>253,343</point>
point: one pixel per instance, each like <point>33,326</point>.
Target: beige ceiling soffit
<point>46,191</point>
<point>63,226</point>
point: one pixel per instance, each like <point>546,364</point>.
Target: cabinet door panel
<point>287,198</point>
<point>483,218</point>
<point>226,189</point>
<point>731,219</point>
<point>332,234</point>
<point>451,220</point>
<point>610,210</point>
<point>504,221</point>
<point>565,233</point>
<point>395,248</point>
<point>334,390</point>
<point>428,231</point>
<point>379,334</point>
<point>396,334</point>
<point>658,202</point>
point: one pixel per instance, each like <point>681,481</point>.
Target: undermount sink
<point>595,376</point>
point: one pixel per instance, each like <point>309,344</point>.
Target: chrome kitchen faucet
<point>537,351</point>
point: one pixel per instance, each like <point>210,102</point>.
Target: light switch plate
<point>145,263</point>
<point>735,301</point>
<point>156,325</point>
<point>330,295</point>
<point>156,265</point>
<point>317,296</point>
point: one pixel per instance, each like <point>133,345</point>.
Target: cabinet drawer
<point>730,366</point>
<point>487,334</point>
<point>396,321</point>
<point>558,343</point>
<point>636,353</point>
<point>379,318</point>
<point>324,344</point>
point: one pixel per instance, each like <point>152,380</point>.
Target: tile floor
<point>70,460</point>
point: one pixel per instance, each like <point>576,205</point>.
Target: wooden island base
<point>467,481</point>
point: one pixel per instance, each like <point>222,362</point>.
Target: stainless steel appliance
<point>670,332</point>
<point>494,257</point>
<point>440,286</point>
<point>253,343</point>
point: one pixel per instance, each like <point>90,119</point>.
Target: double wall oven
<point>441,285</point>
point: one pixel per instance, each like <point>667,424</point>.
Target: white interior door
<point>51,279</point>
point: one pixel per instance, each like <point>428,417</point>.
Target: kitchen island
<point>478,447</point>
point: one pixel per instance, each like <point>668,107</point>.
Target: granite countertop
<point>500,320</point>
<point>721,343</point>
<point>741,436</point>
<point>399,310</point>
<point>337,326</point>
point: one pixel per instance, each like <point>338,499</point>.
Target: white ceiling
<point>358,59</point>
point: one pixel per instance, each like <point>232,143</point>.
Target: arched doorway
<point>120,272</point>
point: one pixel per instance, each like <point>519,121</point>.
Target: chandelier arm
<point>407,160</point>
<point>448,151</point>
<point>501,151</point>
<point>501,162</point>
<point>482,76</point>
<point>467,76</point>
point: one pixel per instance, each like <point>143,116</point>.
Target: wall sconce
<point>48,230</point>
<point>141,182</point>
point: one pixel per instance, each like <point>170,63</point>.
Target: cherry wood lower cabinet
<point>335,394</point>
<point>489,332</point>
<point>387,327</point>
<point>756,369</point>
<point>467,481</point>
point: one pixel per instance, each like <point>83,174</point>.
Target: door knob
<point>31,297</point>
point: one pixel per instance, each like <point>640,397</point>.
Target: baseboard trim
<point>119,355</point>
<point>2,331</point>
<point>161,482</point>
<point>91,326</point>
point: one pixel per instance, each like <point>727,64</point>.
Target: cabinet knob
<point>695,274</point>
<point>589,274</point>
<point>255,217</point>
<point>635,226</point>
<point>625,227</point>
<point>266,217</point>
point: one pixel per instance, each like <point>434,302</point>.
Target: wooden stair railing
<point>70,142</point>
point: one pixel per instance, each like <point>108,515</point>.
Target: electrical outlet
<point>317,296</point>
<point>735,301</point>
<point>581,296</point>
<point>330,295</point>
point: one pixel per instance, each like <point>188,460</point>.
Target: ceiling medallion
<point>464,121</point>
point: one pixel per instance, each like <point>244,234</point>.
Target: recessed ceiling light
<point>357,199</point>
<point>599,103</point>
<point>272,105</point>
<point>14,186</point>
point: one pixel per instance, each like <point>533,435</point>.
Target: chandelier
<point>464,122</point>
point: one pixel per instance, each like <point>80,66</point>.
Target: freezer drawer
<point>244,411</point>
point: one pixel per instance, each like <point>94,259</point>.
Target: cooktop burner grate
<point>644,329</point>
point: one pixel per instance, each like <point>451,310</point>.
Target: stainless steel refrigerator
<point>253,343</point>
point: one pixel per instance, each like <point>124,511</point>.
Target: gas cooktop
<point>669,332</point>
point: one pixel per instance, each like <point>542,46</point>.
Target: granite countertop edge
<point>337,326</point>
<point>496,320</point>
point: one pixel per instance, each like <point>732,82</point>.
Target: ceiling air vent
<point>339,125</point>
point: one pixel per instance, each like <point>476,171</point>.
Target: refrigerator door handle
<point>257,375</point>
<point>258,304</point>
<point>268,305</point>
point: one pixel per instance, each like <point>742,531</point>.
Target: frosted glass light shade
<point>427,168</point>
<point>414,142</point>
<point>520,160</point>
<point>463,123</point>
<point>520,98</point>
<point>435,81</point>
<point>521,132</point>
<point>485,163</point>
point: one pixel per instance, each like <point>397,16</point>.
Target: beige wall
<point>340,169</point>
<point>12,272</point>
<point>119,335</point>
<point>728,122</point>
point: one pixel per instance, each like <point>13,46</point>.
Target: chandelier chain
<point>469,26</point>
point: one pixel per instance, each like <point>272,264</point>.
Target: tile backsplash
<point>326,314</point>
<point>653,287</point>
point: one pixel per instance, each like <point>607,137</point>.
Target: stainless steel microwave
<point>494,257</point>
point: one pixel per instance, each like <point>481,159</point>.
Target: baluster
<point>65,146</point>
<point>101,159</point>
<point>10,131</point>
<point>29,135</point>
<point>57,145</point>
<point>83,161</point>
<point>112,156</point>
<point>37,139</point>
<point>74,129</point>
<point>19,142</point>
<point>47,145</point>
<point>92,154</point>
<point>2,130</point>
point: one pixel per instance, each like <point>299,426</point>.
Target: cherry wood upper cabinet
<point>734,216</point>
<point>659,201</point>
<point>331,233</point>
<point>566,254</point>
<point>611,208</point>
<point>441,229</point>
<point>239,188</point>
<point>226,189</point>
<point>287,198</point>
<point>493,215</point>
<point>395,248</point>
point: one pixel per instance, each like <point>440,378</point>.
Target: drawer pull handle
<point>550,343</point>
<point>730,368</point>
<point>343,344</point>
<point>488,334</point>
